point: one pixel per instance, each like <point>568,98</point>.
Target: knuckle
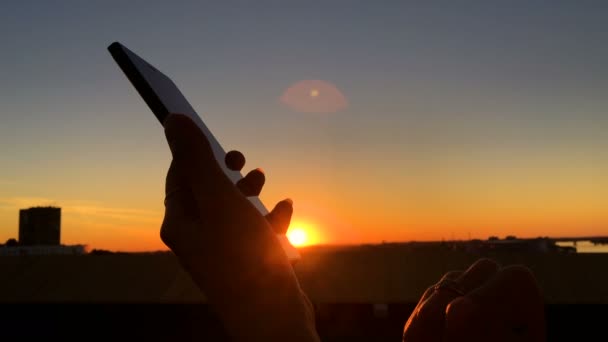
<point>485,266</point>
<point>166,235</point>
<point>451,275</point>
<point>519,273</point>
<point>427,293</point>
<point>430,309</point>
<point>486,262</point>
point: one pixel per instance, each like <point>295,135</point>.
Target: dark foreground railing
<point>190,322</point>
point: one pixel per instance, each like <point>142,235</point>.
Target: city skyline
<point>477,120</point>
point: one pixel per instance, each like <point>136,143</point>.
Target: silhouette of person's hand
<point>484,303</point>
<point>226,245</point>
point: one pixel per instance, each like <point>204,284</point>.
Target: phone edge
<point>117,51</point>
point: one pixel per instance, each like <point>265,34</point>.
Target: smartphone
<point>163,97</point>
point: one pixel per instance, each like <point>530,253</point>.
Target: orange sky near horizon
<point>455,204</point>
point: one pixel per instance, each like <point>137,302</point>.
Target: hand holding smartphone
<point>164,98</point>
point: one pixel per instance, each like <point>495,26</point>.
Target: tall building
<point>40,226</point>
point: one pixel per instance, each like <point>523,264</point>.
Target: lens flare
<point>314,96</point>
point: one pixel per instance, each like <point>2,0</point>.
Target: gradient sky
<point>463,120</point>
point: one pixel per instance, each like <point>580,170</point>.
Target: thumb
<point>280,216</point>
<point>184,137</point>
<point>193,156</point>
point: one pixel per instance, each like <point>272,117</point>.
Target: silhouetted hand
<point>484,303</point>
<point>227,246</point>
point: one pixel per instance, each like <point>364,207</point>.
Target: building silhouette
<point>40,226</point>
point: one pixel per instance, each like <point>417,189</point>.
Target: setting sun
<point>303,233</point>
<point>297,237</point>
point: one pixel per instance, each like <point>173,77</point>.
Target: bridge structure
<point>596,240</point>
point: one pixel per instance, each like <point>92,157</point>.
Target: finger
<point>179,208</point>
<point>179,205</point>
<point>252,183</point>
<point>280,217</point>
<point>477,274</point>
<point>235,160</point>
<point>172,182</point>
<point>178,194</point>
<point>451,275</point>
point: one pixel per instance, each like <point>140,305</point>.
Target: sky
<point>460,120</point>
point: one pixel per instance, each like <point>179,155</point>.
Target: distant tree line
<point>101,252</point>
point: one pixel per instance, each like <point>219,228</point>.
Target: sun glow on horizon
<point>302,234</point>
<point>297,237</point>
